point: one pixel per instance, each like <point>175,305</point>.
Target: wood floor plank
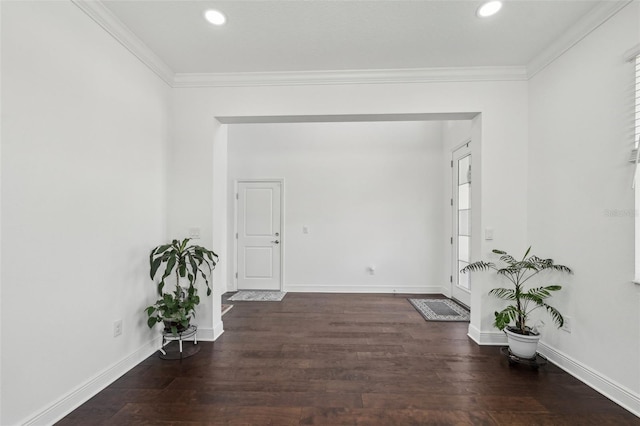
<point>519,419</point>
<point>406,417</point>
<point>192,414</point>
<point>454,402</point>
<point>344,359</point>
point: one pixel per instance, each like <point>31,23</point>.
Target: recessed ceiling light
<point>489,8</point>
<point>215,17</point>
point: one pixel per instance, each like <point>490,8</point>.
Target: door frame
<point>454,222</point>
<point>236,184</point>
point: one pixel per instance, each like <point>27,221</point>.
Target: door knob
<point>276,242</point>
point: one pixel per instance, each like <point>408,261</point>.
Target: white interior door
<point>259,238</point>
<point>461,218</point>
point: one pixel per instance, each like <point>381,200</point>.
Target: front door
<point>461,218</point>
<point>259,237</point>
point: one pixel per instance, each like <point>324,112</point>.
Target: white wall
<point>581,205</point>
<point>84,128</point>
<point>84,134</point>
<point>500,132</point>
<point>369,193</point>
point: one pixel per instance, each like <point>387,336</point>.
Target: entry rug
<point>440,309</point>
<point>258,296</point>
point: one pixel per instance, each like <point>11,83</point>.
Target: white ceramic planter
<point>522,346</point>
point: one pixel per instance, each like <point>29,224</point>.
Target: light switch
<point>305,229</point>
<point>194,233</point>
<point>488,234</point>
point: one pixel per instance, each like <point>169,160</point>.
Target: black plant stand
<point>173,347</point>
<point>534,363</point>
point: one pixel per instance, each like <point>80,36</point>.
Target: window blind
<point>635,58</point>
<point>637,97</point>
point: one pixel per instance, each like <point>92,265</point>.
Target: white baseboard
<point>210,334</point>
<point>218,329</point>
<point>486,338</point>
<point>89,389</point>
<point>78,396</point>
<point>390,289</point>
<point>619,394</point>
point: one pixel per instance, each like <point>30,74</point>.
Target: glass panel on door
<point>464,219</point>
<point>461,223</point>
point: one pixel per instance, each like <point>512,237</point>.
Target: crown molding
<point>96,10</point>
<point>106,19</point>
<point>587,24</point>
<point>419,75</point>
<point>346,118</point>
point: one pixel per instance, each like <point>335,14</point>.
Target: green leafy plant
<point>187,261</point>
<point>174,309</point>
<point>524,300</point>
<point>178,260</point>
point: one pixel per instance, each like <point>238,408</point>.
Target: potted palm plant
<point>182,263</point>
<point>514,319</point>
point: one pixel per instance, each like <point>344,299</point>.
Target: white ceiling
<point>314,35</point>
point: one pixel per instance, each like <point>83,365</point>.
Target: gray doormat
<point>258,296</point>
<point>440,310</point>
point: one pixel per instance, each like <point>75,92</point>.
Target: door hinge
<point>452,163</point>
<point>451,240</point>
<point>452,201</point>
<point>236,235</point>
<point>236,275</point>
<point>237,196</point>
<point>450,278</point>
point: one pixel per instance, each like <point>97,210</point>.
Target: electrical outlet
<point>568,322</point>
<point>117,328</point>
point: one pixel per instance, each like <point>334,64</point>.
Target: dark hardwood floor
<point>344,359</point>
